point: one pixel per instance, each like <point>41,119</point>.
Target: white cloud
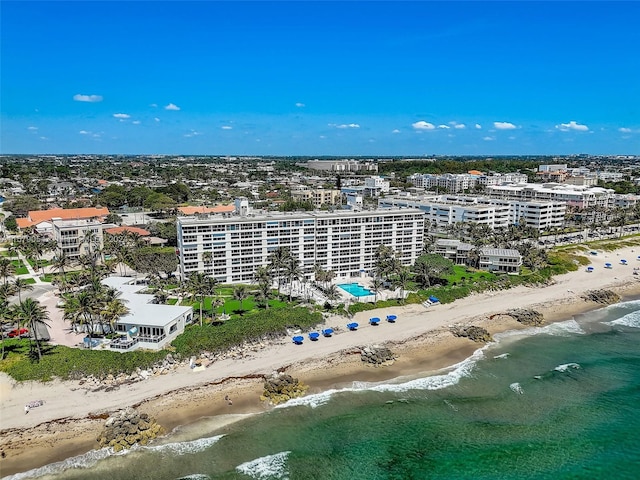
<point>172,106</point>
<point>323,136</point>
<point>121,115</point>
<point>504,125</point>
<point>344,125</point>
<point>460,126</point>
<point>44,138</point>
<point>488,139</point>
<point>153,105</point>
<point>565,127</point>
<point>226,127</point>
<point>156,119</point>
<point>445,127</point>
<point>478,126</point>
<point>193,133</point>
<point>87,98</point>
<point>136,122</point>
<point>36,128</point>
<point>395,131</point>
<point>621,129</point>
<point>300,105</point>
<point>84,132</point>
<point>422,125</point>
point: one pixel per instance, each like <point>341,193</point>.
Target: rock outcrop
<point>527,317</point>
<point>472,332</point>
<point>279,388</point>
<point>128,427</point>
<point>377,355</point>
<point>604,297</point>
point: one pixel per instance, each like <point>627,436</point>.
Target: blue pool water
<point>355,289</point>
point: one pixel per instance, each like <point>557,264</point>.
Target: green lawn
<point>461,275</point>
<point>42,263</point>
<point>172,301</point>
<point>30,281</point>
<point>47,277</point>
<point>231,305</point>
<point>21,269</point>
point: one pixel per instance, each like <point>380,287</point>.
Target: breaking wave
<point>517,388</point>
<point>629,320</point>
<point>183,448</point>
<point>269,467</point>
<point>566,366</point>
<point>86,460</point>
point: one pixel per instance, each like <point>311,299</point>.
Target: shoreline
<point>182,398</point>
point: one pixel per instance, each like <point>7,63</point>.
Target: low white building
<point>375,185</point>
<point>454,250</point>
<point>500,260</point>
<point>147,325</point>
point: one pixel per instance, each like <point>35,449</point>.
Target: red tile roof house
<point>42,219</point>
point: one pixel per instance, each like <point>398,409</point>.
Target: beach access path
<point>67,400</point>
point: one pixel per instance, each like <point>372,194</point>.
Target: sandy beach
<point>72,416</point>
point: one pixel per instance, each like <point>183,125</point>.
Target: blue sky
<point>320,78</point>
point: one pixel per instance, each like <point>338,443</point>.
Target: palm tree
<point>7,269</point>
<point>264,279</point>
<point>207,258</point>
<point>376,286</point>
<point>331,292</point>
<point>33,314</point>
<point>277,261</point>
<point>7,313</point>
<point>21,284</point>
<point>402,280</point>
<point>292,272</point>
<point>60,263</point>
<point>423,274</point>
<point>112,311</point>
<point>240,293</point>
<point>197,287</point>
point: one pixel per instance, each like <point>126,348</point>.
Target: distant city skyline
<point>320,78</point>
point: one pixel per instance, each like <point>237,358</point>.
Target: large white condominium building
<point>495,213</point>
<point>454,183</point>
<point>231,249</point>
<point>573,195</point>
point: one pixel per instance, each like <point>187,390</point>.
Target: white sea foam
<point>502,356</point>
<point>629,320</point>
<point>566,366</point>
<point>196,476</point>
<point>86,460</point>
<point>517,388</point>
<point>560,329</point>
<point>183,448</point>
<point>269,467</point>
<point>434,382</point>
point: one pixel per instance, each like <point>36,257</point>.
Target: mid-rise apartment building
<point>345,241</point>
<point>78,237</point>
<point>455,183</point>
<point>318,197</point>
<point>573,195</point>
<point>445,210</point>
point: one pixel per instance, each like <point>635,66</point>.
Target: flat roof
<point>141,311</point>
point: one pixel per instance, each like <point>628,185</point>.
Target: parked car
<point>18,332</point>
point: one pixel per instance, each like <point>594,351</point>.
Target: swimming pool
<point>355,289</point>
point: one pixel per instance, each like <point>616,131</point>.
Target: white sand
<point>68,400</point>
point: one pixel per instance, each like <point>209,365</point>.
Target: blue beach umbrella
<point>589,269</point>
<point>607,265</point>
<point>374,321</point>
<point>391,318</point>
<point>314,336</point>
<point>433,299</point>
<point>298,339</point>
<point>327,332</point>
<point>352,326</point>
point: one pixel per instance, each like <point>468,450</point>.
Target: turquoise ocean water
<point>557,402</point>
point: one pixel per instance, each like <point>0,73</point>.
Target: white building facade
<point>573,195</point>
<point>495,213</point>
<point>78,237</point>
<point>344,241</point>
